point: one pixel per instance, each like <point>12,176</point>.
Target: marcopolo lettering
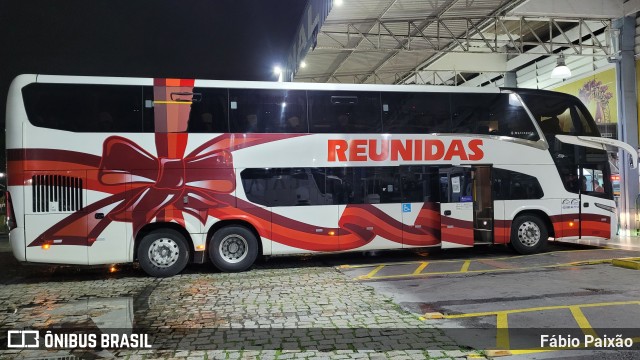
<point>406,150</point>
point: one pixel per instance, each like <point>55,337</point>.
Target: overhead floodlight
<point>303,64</point>
<point>337,2</point>
<point>561,71</point>
<point>277,70</point>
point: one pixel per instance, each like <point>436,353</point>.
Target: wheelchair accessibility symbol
<point>406,208</point>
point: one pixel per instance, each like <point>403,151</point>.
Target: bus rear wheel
<point>163,253</point>
<point>529,234</point>
<point>233,248</point>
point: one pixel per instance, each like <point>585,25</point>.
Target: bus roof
<point>105,80</point>
<point>263,84</point>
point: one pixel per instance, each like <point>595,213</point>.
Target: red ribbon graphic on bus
<point>201,184</point>
<point>146,188</point>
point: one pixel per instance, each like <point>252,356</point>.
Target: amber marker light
<point>570,223</point>
<point>200,247</point>
<point>113,269</point>
<point>45,246</point>
<point>331,233</point>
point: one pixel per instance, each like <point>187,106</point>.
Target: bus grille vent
<point>56,193</point>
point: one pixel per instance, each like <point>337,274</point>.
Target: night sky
<point>209,39</point>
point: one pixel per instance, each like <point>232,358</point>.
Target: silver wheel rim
<point>529,233</point>
<point>233,248</point>
<point>164,252</point>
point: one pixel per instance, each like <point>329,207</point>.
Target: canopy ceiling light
<point>561,71</point>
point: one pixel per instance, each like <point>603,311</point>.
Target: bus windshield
<point>560,115</point>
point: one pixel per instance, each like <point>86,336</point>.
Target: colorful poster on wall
<point>598,92</point>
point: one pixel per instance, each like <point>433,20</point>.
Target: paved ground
<point>312,307</point>
<point>288,300</point>
<point>568,290</point>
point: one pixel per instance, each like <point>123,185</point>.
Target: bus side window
<point>84,107</point>
<point>420,184</point>
<point>415,113</point>
<point>344,111</point>
<point>267,111</point>
<point>512,119</point>
<point>469,111</point>
<point>512,185</point>
<point>255,183</point>
<point>209,113</point>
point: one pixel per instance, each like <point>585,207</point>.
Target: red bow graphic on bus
<point>187,184</point>
<point>161,187</point>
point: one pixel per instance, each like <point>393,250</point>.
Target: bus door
<point>595,217</point>
<point>483,205</point>
<point>467,206</point>
<point>420,205</point>
<point>456,207</point>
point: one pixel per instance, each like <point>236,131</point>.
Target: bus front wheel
<point>163,253</point>
<point>529,234</point>
<point>233,248</point>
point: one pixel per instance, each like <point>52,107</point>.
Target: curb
<point>627,263</point>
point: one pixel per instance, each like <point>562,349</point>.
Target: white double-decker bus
<point>171,171</point>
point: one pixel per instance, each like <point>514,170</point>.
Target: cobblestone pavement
<point>290,308</point>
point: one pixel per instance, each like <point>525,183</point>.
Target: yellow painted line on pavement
<point>465,266</point>
<point>588,262</point>
<point>627,263</point>
<point>502,337</point>
<point>541,308</point>
<point>372,272</point>
<point>422,274</point>
<point>497,353</point>
<point>582,321</point>
<point>347,266</point>
<point>502,326</point>
<point>420,268</point>
<point>431,315</point>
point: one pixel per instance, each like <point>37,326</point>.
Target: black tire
<point>233,248</point>
<point>529,234</point>
<point>174,259</point>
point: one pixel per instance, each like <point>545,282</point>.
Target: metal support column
<point>627,124</point>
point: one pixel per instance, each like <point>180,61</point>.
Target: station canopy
<point>462,42</point>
